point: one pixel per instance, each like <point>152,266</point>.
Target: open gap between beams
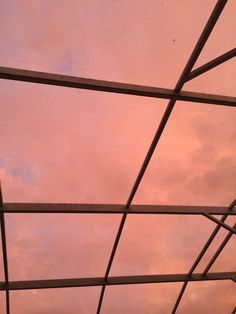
<point>208,297</point>
<point>194,163</point>
<point>51,246</point>
<point>63,301</point>
<point>159,244</point>
<point>91,141</point>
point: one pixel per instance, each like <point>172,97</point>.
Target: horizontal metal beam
<point>121,280</point>
<point>54,208</point>
<point>212,64</point>
<point>112,87</point>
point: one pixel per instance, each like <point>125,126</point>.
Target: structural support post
<point>4,251</point>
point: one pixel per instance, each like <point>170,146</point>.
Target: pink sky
<point>66,145</point>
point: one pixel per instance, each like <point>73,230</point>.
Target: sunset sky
<point>76,146</point>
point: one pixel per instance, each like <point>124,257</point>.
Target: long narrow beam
<point>112,87</point>
<point>212,64</point>
<point>4,251</point>
<point>218,251</point>
<point>54,208</point>
<point>160,129</point>
<point>121,280</point>
<point>220,223</point>
<point>202,253</point>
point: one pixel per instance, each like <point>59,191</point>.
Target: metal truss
<point>127,209</point>
<point>113,87</point>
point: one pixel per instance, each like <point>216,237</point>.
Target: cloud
<point>66,145</point>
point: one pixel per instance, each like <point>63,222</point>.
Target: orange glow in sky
<point>75,146</point>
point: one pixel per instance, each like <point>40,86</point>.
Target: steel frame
<point>53,208</point>
<point>113,87</point>
<point>128,208</point>
<point>117,280</point>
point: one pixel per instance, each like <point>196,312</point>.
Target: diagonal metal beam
<point>54,208</point>
<point>222,224</point>
<point>212,64</point>
<point>192,60</point>
<point>4,251</point>
<point>234,311</point>
<point>111,281</point>
<point>113,87</point>
<point>201,254</point>
<point>219,250</point>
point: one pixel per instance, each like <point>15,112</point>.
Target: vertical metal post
<point>4,251</point>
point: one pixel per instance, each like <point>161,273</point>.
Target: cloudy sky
<point>66,145</point>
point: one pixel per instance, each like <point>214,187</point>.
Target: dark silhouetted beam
<point>202,253</point>
<point>113,209</point>
<point>219,250</point>
<point>4,251</point>
<point>112,87</point>
<point>161,126</point>
<point>121,280</point>
<point>222,224</point>
<point>212,64</point>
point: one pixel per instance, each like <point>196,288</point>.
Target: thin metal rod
<point>7,301</point>
<point>212,64</point>
<point>60,208</point>
<point>4,250</point>
<point>111,281</point>
<point>113,87</point>
<point>201,254</point>
<point>222,224</point>
<point>219,250</point>
<point>195,54</point>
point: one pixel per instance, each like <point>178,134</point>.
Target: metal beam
<point>164,120</point>
<point>4,250</point>
<point>111,281</point>
<point>219,250</point>
<point>201,254</point>
<point>212,64</point>
<point>113,87</point>
<point>234,311</point>
<point>54,208</point>
<point>222,224</point>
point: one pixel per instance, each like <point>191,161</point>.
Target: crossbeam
<point>211,64</point>
<point>111,281</point>
<point>112,87</point>
<point>218,251</point>
<point>220,223</point>
<point>54,208</point>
